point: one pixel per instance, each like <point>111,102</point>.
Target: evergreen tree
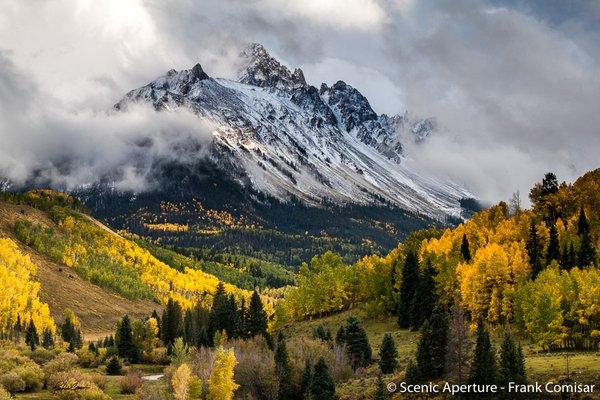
<point>242,319</point>
<point>114,366</point>
<point>512,363</point>
<point>553,251</point>
<point>425,298</point>
<point>410,278</point>
<point>381,393</point>
<point>18,329</point>
<point>388,355</point>
<point>219,318</point>
<point>31,336</point>
<point>483,369</point>
<point>572,256</point>
<point>322,333</point>
<point>283,371</point>
<point>306,380</point>
<point>172,324</point>
<point>587,252</point>
<point>257,317</point>
<point>233,322</point>
<point>189,333</point>
<point>533,250</point>
<point>125,344</point>
<point>464,248</point>
<point>322,386</point>
<point>68,332</point>
<point>92,348</point>
<point>357,343</point>
<point>433,345</point>
<point>47,339</point>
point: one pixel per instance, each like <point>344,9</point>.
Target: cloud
<point>514,86</point>
<point>51,146</point>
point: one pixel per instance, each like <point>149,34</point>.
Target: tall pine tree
<point>31,336</point>
<point>433,346</point>
<point>357,343</point>
<point>125,344</point>
<point>388,355</point>
<point>587,252</point>
<point>322,386</point>
<point>257,317</point>
<point>483,369</point>
<point>171,324</point>
<point>534,249</point>
<point>464,248</point>
<point>410,278</point>
<point>512,363</point>
<point>306,380</point>
<point>424,298</point>
<point>283,371</point>
<point>47,339</point>
<point>553,250</point>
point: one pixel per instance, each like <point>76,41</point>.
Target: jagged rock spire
<point>259,68</point>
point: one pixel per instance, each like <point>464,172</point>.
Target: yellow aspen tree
<point>181,382</point>
<point>221,385</point>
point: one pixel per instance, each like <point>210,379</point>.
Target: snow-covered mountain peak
<point>287,138</point>
<point>259,68</point>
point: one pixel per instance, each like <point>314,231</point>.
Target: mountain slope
<point>285,138</point>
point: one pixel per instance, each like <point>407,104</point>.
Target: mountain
<point>291,171</point>
<point>284,138</point>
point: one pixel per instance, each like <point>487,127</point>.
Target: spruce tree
<point>233,322</point>
<point>114,366</point>
<point>340,336</point>
<point>533,249</point>
<point>388,355</point>
<point>464,248</point>
<point>410,278</point>
<point>483,369</point>
<point>424,298</point>
<point>433,345</point>
<point>357,343</point>
<point>322,333</point>
<point>68,332</point>
<point>283,371</point>
<point>322,386</point>
<point>381,393</point>
<point>31,336</point>
<point>306,380</point>
<point>553,251</point>
<point>512,363</point>
<point>172,324</point>
<point>219,318</point>
<point>257,317</point>
<point>47,339</point>
<point>587,252</point>
<point>459,345</point>
<point>126,347</point>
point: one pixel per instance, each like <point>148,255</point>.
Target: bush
<point>130,383</point>
<point>148,391</point>
<point>61,363</point>
<point>100,380</point>
<point>73,380</point>
<point>87,359</point>
<point>12,382</point>
<point>41,356</point>
<point>4,394</point>
<point>114,366</point>
<point>32,375</point>
<point>92,393</point>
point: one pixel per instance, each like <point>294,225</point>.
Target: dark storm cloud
<point>514,85</point>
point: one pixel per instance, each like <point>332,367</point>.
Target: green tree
<point>381,393</point>
<point>257,317</point>
<point>126,347</point>
<point>464,248</point>
<point>283,371</point>
<point>47,339</point>
<point>322,386</point>
<point>306,379</point>
<point>433,345</point>
<point>357,343</point>
<point>553,250</point>
<point>512,362</point>
<point>459,344</point>
<point>534,249</point>
<point>425,297</point>
<point>410,278</point>
<point>340,336</point>
<point>483,369</point>
<point>114,366</point>
<point>172,324</point>
<point>31,336</point>
<point>587,252</point>
<point>388,355</point>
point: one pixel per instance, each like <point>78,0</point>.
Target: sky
<point>514,85</point>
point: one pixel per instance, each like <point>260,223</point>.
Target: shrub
<point>73,380</point>
<point>130,382</point>
<point>92,393</point>
<point>148,391</point>
<point>12,382</point>
<point>114,366</point>
<point>32,375</point>
<point>61,363</point>
<point>4,394</point>
<point>100,380</point>
<point>87,359</point>
<point>41,356</point>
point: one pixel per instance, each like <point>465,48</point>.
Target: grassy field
<point>541,367</point>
